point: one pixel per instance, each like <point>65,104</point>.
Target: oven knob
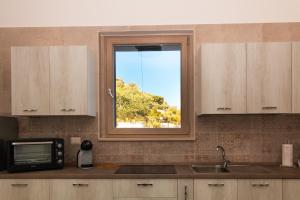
<point>59,145</point>
<point>59,161</point>
<point>59,153</point>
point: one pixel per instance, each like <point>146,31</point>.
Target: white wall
<point>27,13</point>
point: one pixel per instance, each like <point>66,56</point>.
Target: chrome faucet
<point>225,161</point>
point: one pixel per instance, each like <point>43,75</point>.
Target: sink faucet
<point>225,161</point>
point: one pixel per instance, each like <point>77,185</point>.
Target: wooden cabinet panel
<point>69,75</point>
<point>81,189</point>
<point>259,189</point>
<point>142,188</point>
<point>24,189</point>
<point>223,78</point>
<point>296,78</point>
<point>290,189</point>
<point>145,198</point>
<point>269,78</point>
<point>185,189</point>
<point>215,189</point>
<point>30,80</point>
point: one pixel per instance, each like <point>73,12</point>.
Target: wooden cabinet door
<point>24,189</point>
<point>269,74</point>
<point>81,189</point>
<point>223,78</point>
<point>259,189</point>
<point>290,189</point>
<point>146,199</point>
<point>68,76</point>
<point>30,80</point>
<point>215,189</point>
<point>185,189</point>
<point>296,78</point>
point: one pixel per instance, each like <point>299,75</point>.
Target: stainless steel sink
<point>209,169</point>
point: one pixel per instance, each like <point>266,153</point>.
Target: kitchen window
<point>145,87</point>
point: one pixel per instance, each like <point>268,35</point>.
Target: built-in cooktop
<point>146,169</point>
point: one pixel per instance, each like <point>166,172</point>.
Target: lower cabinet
<point>291,189</point>
<point>185,189</point>
<point>209,189</point>
<point>24,189</point>
<point>81,189</point>
<point>259,189</point>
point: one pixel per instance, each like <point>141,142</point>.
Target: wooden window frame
<point>106,118</point>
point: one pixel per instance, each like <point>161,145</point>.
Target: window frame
<point>107,78</point>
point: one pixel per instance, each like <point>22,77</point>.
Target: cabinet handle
<point>68,110</point>
<point>223,108</point>
<point>30,110</point>
<point>80,184</point>
<point>260,184</point>
<point>144,184</point>
<point>19,185</point>
<point>216,184</point>
<point>185,192</point>
<point>269,107</point>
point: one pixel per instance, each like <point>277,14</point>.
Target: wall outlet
<point>75,140</point>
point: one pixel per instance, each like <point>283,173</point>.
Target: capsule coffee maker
<point>85,155</point>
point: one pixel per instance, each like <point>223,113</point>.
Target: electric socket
<point>75,140</point>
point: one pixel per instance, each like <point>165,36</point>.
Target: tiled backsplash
<point>246,138</point>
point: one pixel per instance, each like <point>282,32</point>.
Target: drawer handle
<point>269,108</point>
<point>216,184</point>
<point>68,110</point>
<point>260,185</point>
<point>80,184</point>
<point>30,110</point>
<point>19,185</point>
<point>224,108</point>
<point>144,184</point>
<point>185,192</point>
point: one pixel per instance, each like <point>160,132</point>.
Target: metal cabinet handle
<point>269,107</point>
<point>144,184</point>
<point>80,184</point>
<point>216,184</point>
<point>260,184</point>
<point>224,108</point>
<point>68,110</point>
<point>30,110</point>
<point>185,192</point>
<point>19,185</point>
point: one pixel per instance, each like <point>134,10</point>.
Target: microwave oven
<point>35,154</point>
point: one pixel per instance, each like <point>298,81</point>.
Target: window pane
<point>147,85</point>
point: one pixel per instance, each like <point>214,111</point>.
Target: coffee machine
<point>85,155</point>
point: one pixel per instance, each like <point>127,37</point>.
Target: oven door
<point>25,155</point>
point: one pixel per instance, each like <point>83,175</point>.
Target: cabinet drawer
<point>145,188</point>
<point>141,198</point>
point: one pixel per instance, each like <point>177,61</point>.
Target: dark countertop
<point>183,171</point>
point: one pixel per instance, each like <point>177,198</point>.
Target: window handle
<point>109,92</point>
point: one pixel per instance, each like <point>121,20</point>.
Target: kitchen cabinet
<point>54,80</point>
<point>290,189</point>
<point>30,80</point>
<point>269,73</point>
<point>24,189</point>
<point>145,188</point>
<point>81,189</point>
<point>296,77</point>
<point>209,189</point>
<point>71,78</point>
<point>223,78</point>
<point>259,189</point>
<point>185,189</point>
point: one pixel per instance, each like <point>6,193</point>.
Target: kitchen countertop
<point>183,171</point>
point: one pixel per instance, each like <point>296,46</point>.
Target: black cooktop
<point>146,169</point>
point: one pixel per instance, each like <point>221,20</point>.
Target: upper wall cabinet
<point>30,80</point>
<point>296,78</point>
<point>71,85</point>
<point>269,72</point>
<point>223,78</point>
<point>55,80</point>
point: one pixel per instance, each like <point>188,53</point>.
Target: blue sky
<point>155,72</point>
